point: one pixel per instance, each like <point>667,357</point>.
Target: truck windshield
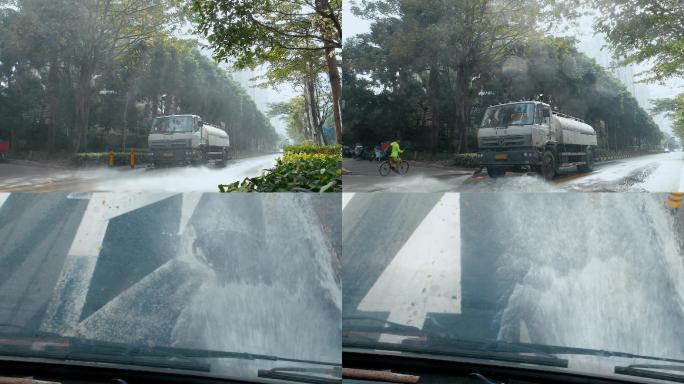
<point>509,114</point>
<point>171,124</point>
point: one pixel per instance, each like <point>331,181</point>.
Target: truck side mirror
<point>546,113</point>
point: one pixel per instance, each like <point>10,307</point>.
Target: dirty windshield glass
<point>485,274</point>
<point>184,281</point>
<point>511,114</point>
<point>172,124</point>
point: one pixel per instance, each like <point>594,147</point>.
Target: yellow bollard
<point>132,158</point>
<point>674,201</point>
<point>111,158</point>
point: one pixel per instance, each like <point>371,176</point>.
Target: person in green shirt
<point>395,151</point>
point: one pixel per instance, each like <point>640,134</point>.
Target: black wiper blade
<point>646,370</point>
<point>143,361</point>
<point>304,375</point>
<point>554,349</point>
<point>513,356</point>
<point>72,348</point>
<point>201,353</point>
<point>448,345</point>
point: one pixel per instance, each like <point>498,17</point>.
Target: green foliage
<point>297,39</point>
<point>468,160</point>
<point>296,172</point>
<point>644,30</point>
<point>256,31</point>
<point>380,105</point>
<point>74,75</point>
<point>674,108</point>
<point>309,147</point>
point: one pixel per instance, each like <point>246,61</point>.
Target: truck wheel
<point>495,172</point>
<point>589,159</point>
<point>548,165</point>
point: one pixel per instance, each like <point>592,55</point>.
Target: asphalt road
<point>184,270</point>
<point>600,271</point>
<point>21,176</point>
<point>652,173</point>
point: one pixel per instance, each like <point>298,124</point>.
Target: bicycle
<point>401,168</point>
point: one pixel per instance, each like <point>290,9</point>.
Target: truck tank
<point>574,131</point>
<point>215,136</point>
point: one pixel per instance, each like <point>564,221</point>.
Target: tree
<point>675,110</point>
<point>139,77</point>
<point>547,69</point>
<point>251,32</point>
<point>447,44</point>
<point>644,30</point>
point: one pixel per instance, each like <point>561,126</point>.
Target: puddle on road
<point>625,184</point>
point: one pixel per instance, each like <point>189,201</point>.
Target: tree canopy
<point>427,70</point>
<point>72,71</point>
<point>247,33</point>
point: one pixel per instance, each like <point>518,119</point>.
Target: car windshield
<point>172,280</point>
<point>509,114</point>
<point>171,124</point>
<point>524,274</point>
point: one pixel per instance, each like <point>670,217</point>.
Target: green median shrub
<point>309,147</point>
<point>468,160</point>
<point>296,172</point>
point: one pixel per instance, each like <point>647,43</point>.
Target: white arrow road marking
<point>3,197</point>
<point>346,196</point>
<point>65,306</point>
<point>425,275</point>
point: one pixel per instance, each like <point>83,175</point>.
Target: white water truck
<point>530,136</point>
<point>185,139</point>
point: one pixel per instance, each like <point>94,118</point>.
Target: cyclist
<point>394,154</point>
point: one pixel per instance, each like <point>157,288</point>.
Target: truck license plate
<point>501,156</point>
<point>167,154</point>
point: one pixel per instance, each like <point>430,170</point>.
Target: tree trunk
<point>336,86</point>
<point>308,125</point>
<point>313,111</point>
<point>434,106</point>
<point>125,121</point>
<point>155,104</point>
<point>53,90</point>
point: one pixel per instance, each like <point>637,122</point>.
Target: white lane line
<point>346,197</point>
<point>425,275</point>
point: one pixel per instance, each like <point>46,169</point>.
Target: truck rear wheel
<point>548,165</point>
<point>496,172</point>
<point>589,162</point>
<point>224,159</point>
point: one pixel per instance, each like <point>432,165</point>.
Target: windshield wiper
<point>554,349</point>
<point>303,375</point>
<point>646,370</point>
<point>72,348</point>
<point>469,347</point>
<point>448,345</point>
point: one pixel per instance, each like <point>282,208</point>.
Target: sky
<point>589,44</point>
